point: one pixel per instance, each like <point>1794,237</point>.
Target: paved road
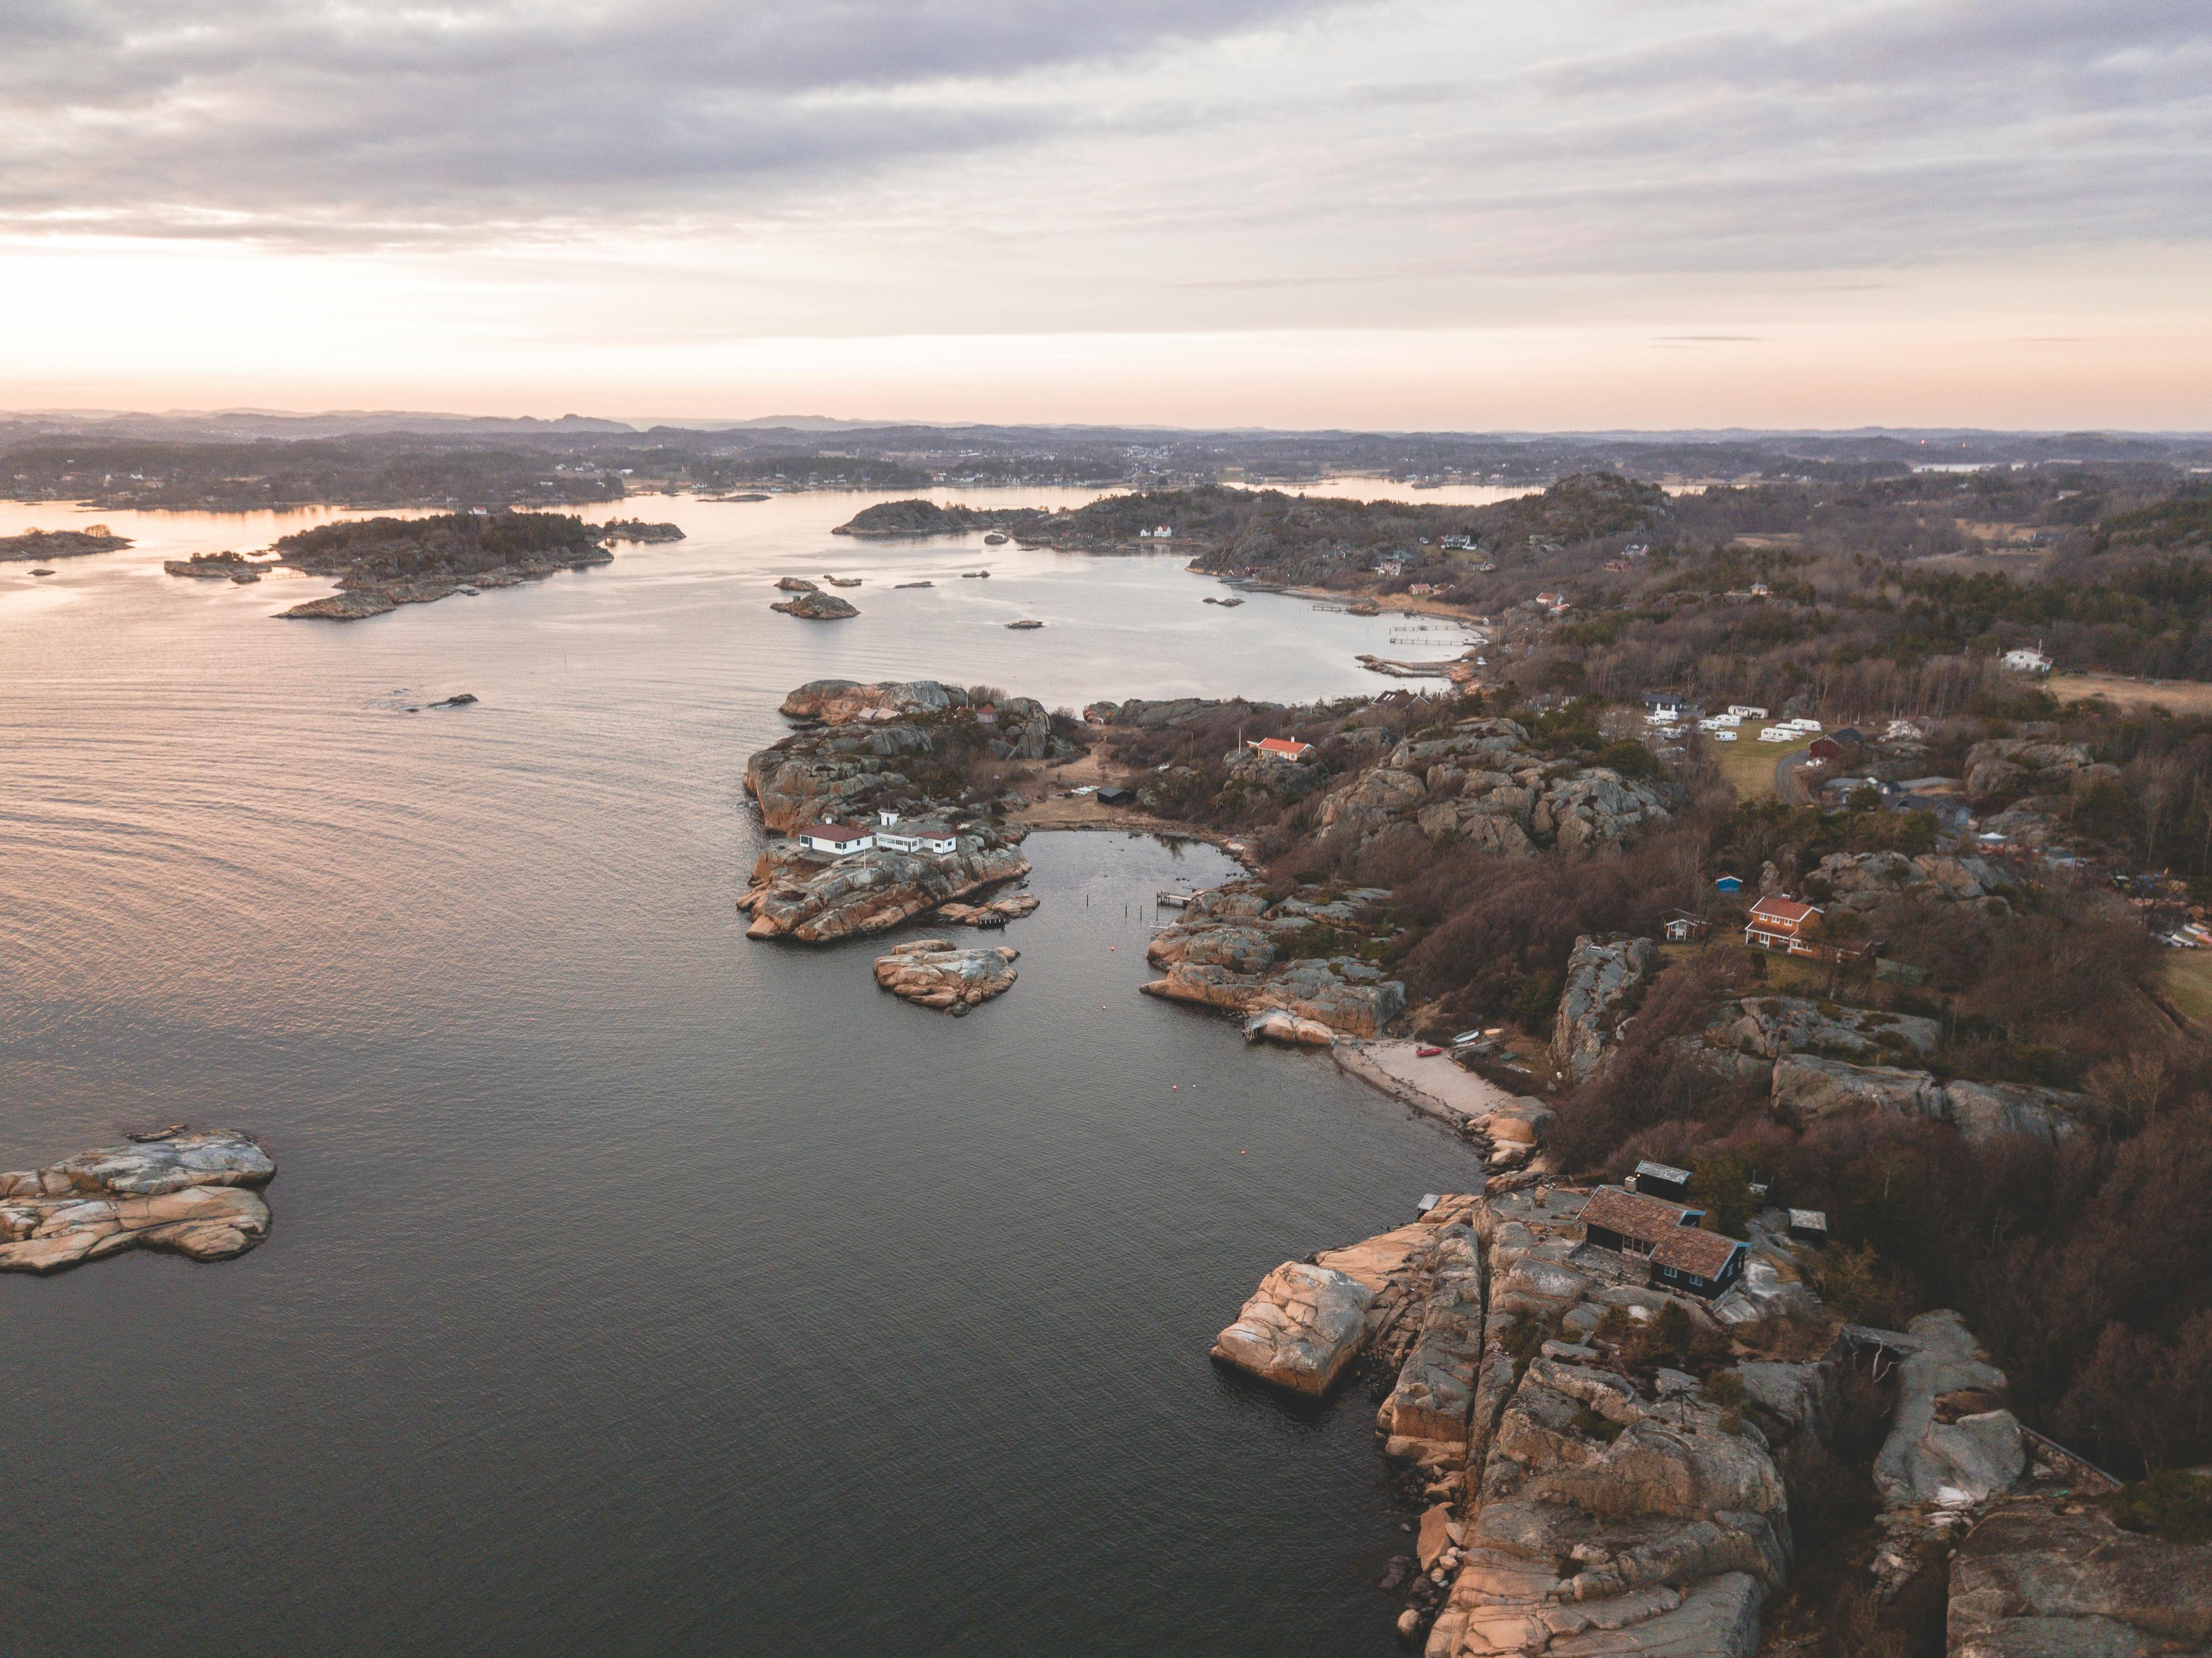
<point>1786,768</point>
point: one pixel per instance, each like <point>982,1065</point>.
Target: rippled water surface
<point>637,1288</point>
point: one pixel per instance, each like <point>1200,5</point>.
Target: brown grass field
<point>2182,696</point>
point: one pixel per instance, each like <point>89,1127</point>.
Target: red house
<point>1780,924</point>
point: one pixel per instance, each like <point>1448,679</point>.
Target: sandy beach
<point>1435,1086</point>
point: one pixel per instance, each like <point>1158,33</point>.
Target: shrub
<point>2172,1505</point>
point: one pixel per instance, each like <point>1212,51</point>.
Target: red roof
<point>1687,1249</point>
<point>1786,912</point>
<point>1659,1224</point>
<point>1633,1214</point>
<point>1284,746</point>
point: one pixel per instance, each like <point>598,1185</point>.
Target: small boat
<point>1425,1052</point>
<point>159,1134</point>
<point>1024,625</point>
<point>994,539</point>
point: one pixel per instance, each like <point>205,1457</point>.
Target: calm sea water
<point>637,1288</point>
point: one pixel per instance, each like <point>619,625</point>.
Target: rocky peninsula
<point>194,1193</point>
<point>1610,1465</point>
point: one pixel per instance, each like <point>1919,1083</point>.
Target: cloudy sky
<point>1581,214</point>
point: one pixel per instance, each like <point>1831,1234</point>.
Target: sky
<point>1290,213</point>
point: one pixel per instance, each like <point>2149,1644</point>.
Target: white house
<point>838,840</point>
<point>932,838</point>
<point>1162,533</point>
<point>2026,661</point>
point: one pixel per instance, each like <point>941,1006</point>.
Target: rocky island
<point>882,797</point>
<point>814,605</point>
<point>35,545</point>
<point>194,1193</point>
<point>382,563</point>
<point>938,973</point>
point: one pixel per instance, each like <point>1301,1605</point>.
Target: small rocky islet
<point>195,1194</point>
<point>938,973</point>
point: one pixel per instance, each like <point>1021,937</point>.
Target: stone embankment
<point>1238,950</point>
<point>938,973</point>
<point>1608,1466</point>
<point>194,1193</point>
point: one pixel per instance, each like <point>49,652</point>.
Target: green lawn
<point>1748,763</point>
<point>2186,976</point>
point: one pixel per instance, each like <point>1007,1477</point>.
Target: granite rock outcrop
<point>798,894</point>
<point>1807,1089</point>
<point>1484,787</point>
<point>1601,978</point>
<point>2039,1577</point>
<point>196,1194</point>
<point>1237,949</point>
<point>938,973</point>
<point>1300,1329</point>
<point>899,742</point>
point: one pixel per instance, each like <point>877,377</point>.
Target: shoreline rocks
<point>1585,1496</point>
<point>1235,950</point>
<point>194,1193</point>
<point>796,894</point>
<point>938,973</point>
<point>1300,1329</point>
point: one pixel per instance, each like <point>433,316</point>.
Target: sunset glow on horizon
<point>1246,212</point>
